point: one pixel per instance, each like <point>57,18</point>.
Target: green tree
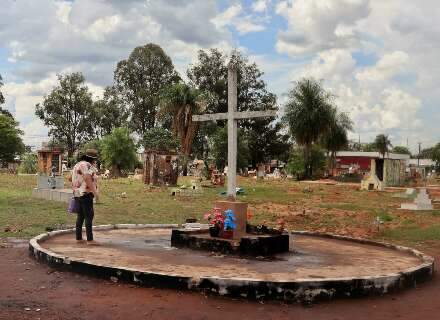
<point>181,102</point>
<point>2,99</point>
<point>68,111</point>
<point>139,81</point>
<point>220,149</point>
<point>118,151</point>
<point>109,113</point>
<point>160,139</point>
<point>336,137</point>
<point>209,74</point>
<point>11,144</point>
<point>383,144</point>
<point>28,163</point>
<point>296,164</point>
<point>401,150</point>
<point>308,115</point>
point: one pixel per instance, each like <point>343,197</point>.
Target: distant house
<point>379,172</point>
<point>360,162</point>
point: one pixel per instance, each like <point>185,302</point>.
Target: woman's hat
<point>92,153</point>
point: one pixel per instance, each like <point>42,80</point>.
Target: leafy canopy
<point>178,103</point>
<point>160,139</point>
<point>382,144</point>
<point>118,150</point>
<point>11,144</point>
<point>68,111</point>
<point>139,81</point>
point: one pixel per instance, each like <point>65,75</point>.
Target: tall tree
<point>336,137</point>
<point>109,113</point>
<point>401,150</point>
<point>11,144</point>
<point>209,74</point>
<point>118,151</point>
<point>68,111</point>
<point>383,144</point>
<point>181,102</point>
<point>308,114</point>
<point>2,100</point>
<point>139,81</point>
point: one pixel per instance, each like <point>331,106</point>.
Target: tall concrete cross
<point>233,116</point>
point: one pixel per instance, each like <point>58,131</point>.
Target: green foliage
<point>118,151</point>
<point>369,147</point>
<point>68,111</point>
<point>309,114</point>
<point>401,150</point>
<point>210,74</point>
<point>159,139</point>
<point>11,144</point>
<point>2,99</point>
<point>382,143</point>
<point>220,148</point>
<point>139,81</point>
<point>178,103</point>
<point>29,163</point>
<point>297,164</point>
<point>109,113</point>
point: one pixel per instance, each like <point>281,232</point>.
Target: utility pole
<point>418,156</point>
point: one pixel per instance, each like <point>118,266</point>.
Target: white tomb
<point>421,202</point>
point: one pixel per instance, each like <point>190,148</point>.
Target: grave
<point>421,202</point>
<point>161,168</point>
<point>242,240</point>
<point>50,181</point>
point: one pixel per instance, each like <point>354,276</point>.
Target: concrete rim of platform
<point>301,290</point>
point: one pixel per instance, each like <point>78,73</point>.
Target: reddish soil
<point>30,290</point>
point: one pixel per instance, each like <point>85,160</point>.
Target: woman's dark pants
<point>86,214</point>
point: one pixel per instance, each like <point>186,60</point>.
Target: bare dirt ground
<point>30,290</point>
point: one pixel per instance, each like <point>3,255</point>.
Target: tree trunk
<point>307,166</point>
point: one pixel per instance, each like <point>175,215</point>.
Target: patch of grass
<point>384,215</point>
<point>341,206</point>
<point>413,234</point>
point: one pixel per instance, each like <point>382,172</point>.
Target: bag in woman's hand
<point>73,206</point>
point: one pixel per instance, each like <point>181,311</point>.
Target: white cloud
<point>260,5</point>
<point>387,67</point>
<point>315,25</point>
<point>233,16</point>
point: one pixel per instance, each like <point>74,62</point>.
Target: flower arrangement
<point>216,220</point>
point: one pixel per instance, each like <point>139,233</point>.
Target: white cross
<point>233,116</point>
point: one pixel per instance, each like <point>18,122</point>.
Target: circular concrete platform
<point>316,267</point>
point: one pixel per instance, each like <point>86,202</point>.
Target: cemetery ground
<point>30,290</point>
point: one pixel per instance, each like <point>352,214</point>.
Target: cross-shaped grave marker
<point>233,116</point>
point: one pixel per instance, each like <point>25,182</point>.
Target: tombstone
<point>50,161</point>
<point>261,171</point>
<point>421,202</point>
<point>161,168</point>
<point>232,117</point>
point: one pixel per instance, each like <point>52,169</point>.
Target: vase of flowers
<point>216,221</point>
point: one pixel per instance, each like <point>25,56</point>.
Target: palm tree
<point>336,138</point>
<point>382,143</point>
<point>180,102</point>
<point>308,114</point>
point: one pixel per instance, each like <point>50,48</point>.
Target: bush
<point>295,166</point>
<point>29,164</point>
<point>118,151</point>
<point>159,139</point>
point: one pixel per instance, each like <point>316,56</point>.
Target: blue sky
<point>379,58</point>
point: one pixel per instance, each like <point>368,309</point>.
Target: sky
<point>380,58</point>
